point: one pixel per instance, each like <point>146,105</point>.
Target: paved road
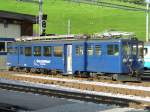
<point>40,103</point>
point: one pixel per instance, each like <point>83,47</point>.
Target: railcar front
<point>132,59</point>
<point>147,56</point>
<point>121,59</point>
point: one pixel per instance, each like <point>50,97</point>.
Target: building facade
<point>13,25</point>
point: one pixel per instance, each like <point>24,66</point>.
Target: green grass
<point>84,18</point>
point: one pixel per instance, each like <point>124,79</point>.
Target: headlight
<point>130,60</point>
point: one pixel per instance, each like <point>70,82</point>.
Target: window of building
<point>6,25</point>
<point>37,51</point>
<point>79,50</point>
<point>90,50</point>
<point>21,50</point>
<point>28,51</point>
<point>113,50</point>
<point>47,51</point>
<point>98,50</point>
<point>58,51</point>
<point>2,46</point>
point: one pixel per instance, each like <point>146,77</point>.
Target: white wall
<point>13,30</point>
<point>3,60</point>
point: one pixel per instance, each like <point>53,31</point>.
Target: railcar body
<point>119,58</point>
<point>147,56</point>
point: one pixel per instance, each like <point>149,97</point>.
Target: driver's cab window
<point>145,51</point>
<point>134,49</point>
<point>140,50</point>
<point>126,49</point>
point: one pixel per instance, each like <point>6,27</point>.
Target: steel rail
<point>10,108</point>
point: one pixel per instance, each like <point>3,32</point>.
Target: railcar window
<point>90,50</point>
<point>126,49</point>
<point>21,51</point>
<point>28,51</point>
<point>58,51</point>
<point>116,50</point>
<point>140,50</point>
<point>2,46</point>
<point>145,51</point>
<point>10,50</point>
<point>98,50</point>
<point>134,49</point>
<point>110,50</point>
<point>79,50</point>
<point>16,50</point>
<point>113,50</point>
<point>37,51</point>
<point>47,51</point>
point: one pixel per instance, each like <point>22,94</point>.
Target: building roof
<point>17,16</point>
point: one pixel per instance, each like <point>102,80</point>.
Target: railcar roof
<point>76,40</point>
<point>73,40</point>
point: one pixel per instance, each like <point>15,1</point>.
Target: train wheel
<point>44,71</point>
<point>20,69</point>
<point>10,68</point>
<point>38,70</point>
<point>27,70</point>
<point>15,69</point>
<point>54,72</point>
<point>115,77</point>
<point>49,72</point>
<point>33,70</point>
<point>77,74</point>
<point>85,75</point>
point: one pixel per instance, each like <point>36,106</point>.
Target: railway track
<point>145,79</point>
<point>10,108</point>
<point>71,95</point>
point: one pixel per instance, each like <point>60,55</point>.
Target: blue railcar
<point>119,58</point>
<point>147,56</point>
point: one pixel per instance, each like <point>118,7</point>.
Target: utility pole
<point>40,16</point>
<point>147,20</point>
<point>40,3</point>
<point>69,27</point>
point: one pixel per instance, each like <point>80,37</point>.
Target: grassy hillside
<point>84,18</point>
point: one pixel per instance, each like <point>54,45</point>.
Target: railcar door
<point>20,55</point>
<point>69,59</point>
